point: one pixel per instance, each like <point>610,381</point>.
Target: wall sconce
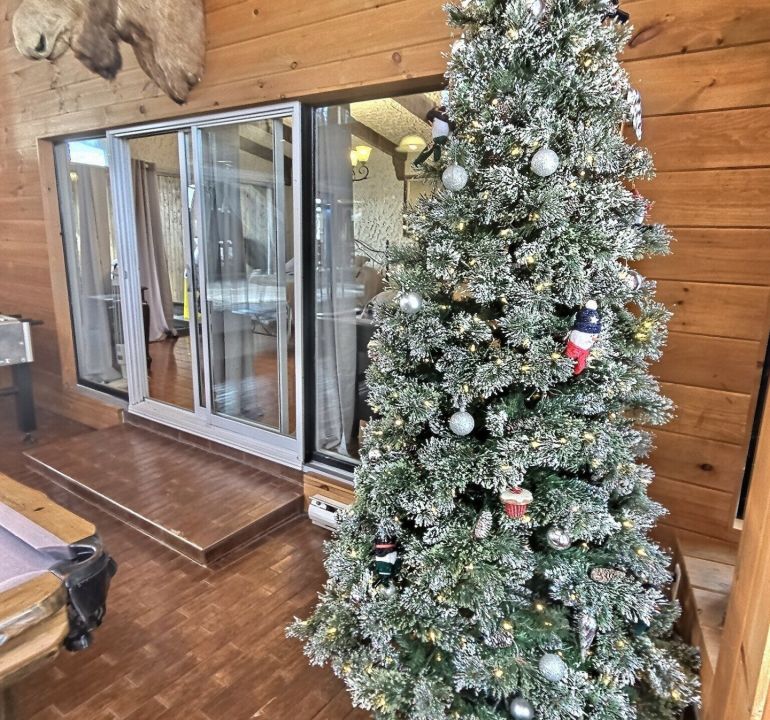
<point>411,144</point>
<point>359,157</point>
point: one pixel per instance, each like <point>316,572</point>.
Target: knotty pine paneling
<point>711,198</point>
<point>731,77</point>
<point>708,463</point>
<point>707,413</point>
<point>718,309</point>
<point>710,140</point>
<point>696,508</point>
<point>715,255</point>
<point>671,27</point>
<point>703,68</point>
<point>710,362</point>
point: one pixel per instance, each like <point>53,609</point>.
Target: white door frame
<point>202,421</point>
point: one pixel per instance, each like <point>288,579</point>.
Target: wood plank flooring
<point>182,642</point>
<point>201,504</point>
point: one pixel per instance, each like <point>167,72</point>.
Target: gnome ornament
<point>385,558</point>
<point>584,334</point>
<point>442,128</point>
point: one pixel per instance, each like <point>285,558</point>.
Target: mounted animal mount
<point>168,37</point>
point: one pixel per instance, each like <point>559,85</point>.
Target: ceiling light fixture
<point>411,144</point>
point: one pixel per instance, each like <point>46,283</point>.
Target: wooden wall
<point>703,67</point>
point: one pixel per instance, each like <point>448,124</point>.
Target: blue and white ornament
<point>584,334</point>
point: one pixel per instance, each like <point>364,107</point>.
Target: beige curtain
<point>153,266</point>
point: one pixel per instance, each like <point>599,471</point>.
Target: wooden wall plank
<point>695,460</point>
<point>711,140</point>
<point>668,27</point>
<point>711,198</point>
<point>710,80</point>
<point>731,311</point>
<point>698,509</point>
<point>711,362</point>
<point>709,414</point>
<point>714,255</point>
<point>243,21</point>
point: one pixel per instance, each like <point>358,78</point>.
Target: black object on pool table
<point>54,580</point>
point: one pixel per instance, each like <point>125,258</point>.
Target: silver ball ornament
<point>633,279</point>
<point>410,303</point>
<point>462,423</point>
<point>552,667</point>
<point>544,162</point>
<point>455,178</point>
<point>521,709</point>
<point>558,539</point>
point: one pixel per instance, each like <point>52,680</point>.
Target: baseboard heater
<point>323,511</point>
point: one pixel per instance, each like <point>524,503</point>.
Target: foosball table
<point>16,353</point>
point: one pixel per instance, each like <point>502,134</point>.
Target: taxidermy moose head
<point>168,36</point>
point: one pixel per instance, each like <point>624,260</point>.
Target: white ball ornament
<point>410,303</point>
<point>558,539</point>
<point>521,709</point>
<point>552,667</point>
<point>455,178</point>
<point>545,162</point>
<point>537,8</point>
<point>462,423</point>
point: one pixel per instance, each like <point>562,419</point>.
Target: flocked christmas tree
<point>496,563</point>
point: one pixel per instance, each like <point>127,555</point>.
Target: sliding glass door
<point>207,237</point>
<point>246,206</point>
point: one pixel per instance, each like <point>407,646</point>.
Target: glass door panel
<point>162,247</point>
<point>246,255</point>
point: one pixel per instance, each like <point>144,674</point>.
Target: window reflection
<point>92,266</point>
<point>363,178</point>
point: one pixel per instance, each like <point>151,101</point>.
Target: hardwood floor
<point>197,502</point>
<point>170,380</point>
<point>170,377</point>
<point>182,642</point>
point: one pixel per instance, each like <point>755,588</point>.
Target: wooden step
<point>708,569</point>
<point>201,504</point>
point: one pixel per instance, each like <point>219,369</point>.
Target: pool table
<point>54,579</point>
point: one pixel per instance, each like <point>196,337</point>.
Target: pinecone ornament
<point>483,525</point>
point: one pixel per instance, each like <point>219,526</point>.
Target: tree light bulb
<point>507,625</point>
<point>497,672</point>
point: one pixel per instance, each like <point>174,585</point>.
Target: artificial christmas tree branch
<point>496,562</point>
